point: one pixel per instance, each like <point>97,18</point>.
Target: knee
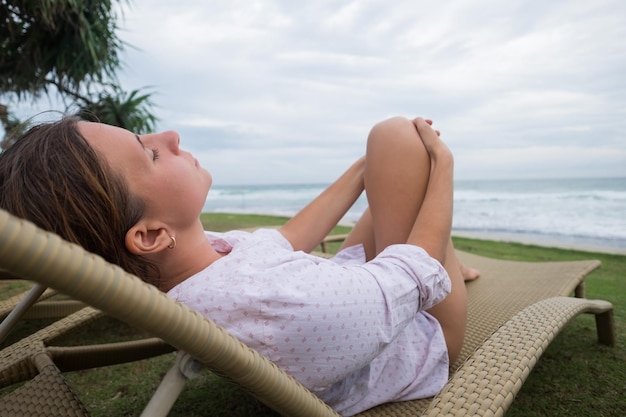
<point>393,127</point>
<point>396,134</point>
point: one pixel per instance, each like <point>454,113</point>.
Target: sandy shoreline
<point>539,241</point>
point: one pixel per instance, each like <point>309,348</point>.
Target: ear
<point>143,239</point>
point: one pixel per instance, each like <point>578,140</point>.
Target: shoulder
<point>242,237</point>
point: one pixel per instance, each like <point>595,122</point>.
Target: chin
<point>208,178</point>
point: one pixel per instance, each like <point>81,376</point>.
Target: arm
<point>307,228</point>
<point>433,224</point>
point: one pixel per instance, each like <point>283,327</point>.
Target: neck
<point>192,254</point>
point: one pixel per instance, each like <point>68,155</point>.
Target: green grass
<point>575,376</point>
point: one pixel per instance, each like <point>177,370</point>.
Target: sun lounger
<point>515,310</point>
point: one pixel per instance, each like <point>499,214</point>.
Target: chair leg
<point>16,314</point>
<point>579,291</point>
<point>605,326</point>
<point>162,401</point>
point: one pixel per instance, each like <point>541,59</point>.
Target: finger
<point>418,120</point>
<point>429,122</point>
<point>423,127</point>
<point>421,123</point>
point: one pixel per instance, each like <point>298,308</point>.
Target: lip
<point>193,160</point>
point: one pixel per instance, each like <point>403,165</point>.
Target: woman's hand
<point>430,137</point>
<point>430,123</point>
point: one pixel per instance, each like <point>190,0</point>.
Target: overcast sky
<point>286,91</point>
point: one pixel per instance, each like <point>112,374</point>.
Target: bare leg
<point>363,233</point>
<point>452,312</point>
<point>396,176</point>
<point>402,175</point>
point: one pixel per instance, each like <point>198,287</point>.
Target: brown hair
<point>53,178</point>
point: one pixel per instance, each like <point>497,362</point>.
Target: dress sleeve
<point>410,281</point>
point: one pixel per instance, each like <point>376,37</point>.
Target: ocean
<point>581,212</point>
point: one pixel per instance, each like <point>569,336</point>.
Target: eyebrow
<point>140,142</point>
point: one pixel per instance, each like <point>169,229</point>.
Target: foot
<point>469,274</point>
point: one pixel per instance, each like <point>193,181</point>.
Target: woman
<point>380,322</point>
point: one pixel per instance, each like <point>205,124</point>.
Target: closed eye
<point>155,154</point>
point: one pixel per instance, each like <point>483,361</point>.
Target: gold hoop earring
<point>172,244</point>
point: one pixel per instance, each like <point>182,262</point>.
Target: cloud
<point>563,161</point>
<point>280,91</point>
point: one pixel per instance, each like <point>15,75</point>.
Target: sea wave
<point>574,210</point>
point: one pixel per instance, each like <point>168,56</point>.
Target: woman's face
<point>169,180</point>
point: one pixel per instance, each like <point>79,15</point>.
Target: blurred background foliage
<point>69,50</point>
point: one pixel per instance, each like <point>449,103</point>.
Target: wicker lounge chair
<point>515,310</point>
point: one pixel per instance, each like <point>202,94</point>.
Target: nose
<point>169,139</point>
<point>174,137</point>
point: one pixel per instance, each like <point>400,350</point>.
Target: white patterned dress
<point>354,332</point>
